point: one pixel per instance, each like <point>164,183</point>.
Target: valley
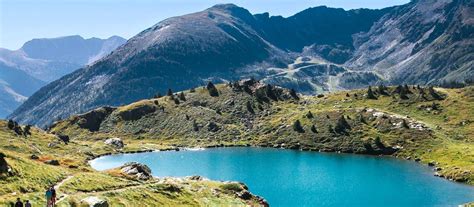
<point>430,126</point>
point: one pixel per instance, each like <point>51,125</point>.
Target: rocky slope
<point>423,42</point>
<point>224,42</point>
<point>41,160</point>
<point>424,124</point>
<point>317,50</point>
<point>39,61</point>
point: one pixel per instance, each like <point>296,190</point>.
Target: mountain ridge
<point>226,42</point>
<point>42,60</point>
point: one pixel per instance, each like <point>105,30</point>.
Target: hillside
<point>32,162</point>
<point>317,50</point>
<point>224,42</point>
<point>432,126</point>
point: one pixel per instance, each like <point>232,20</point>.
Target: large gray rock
<point>138,170</point>
<point>93,201</point>
<point>115,142</point>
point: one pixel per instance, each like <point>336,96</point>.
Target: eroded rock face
<point>93,201</point>
<point>140,171</point>
<point>263,92</point>
<point>115,142</point>
<point>137,112</point>
<point>94,118</point>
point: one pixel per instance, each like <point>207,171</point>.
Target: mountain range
<point>320,49</point>
<point>40,61</point>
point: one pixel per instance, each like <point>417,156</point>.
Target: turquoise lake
<point>296,178</point>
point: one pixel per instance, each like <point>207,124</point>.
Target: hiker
<point>53,196</point>
<point>18,203</point>
<point>27,203</point>
<point>49,194</point>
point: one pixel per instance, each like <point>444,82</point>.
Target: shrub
<point>235,187</point>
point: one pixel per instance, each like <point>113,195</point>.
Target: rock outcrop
<point>115,142</point>
<point>137,170</point>
<point>94,201</point>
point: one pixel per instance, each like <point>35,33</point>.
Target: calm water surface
<point>294,178</point>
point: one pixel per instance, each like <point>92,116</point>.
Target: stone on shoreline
<point>93,201</point>
<point>140,171</point>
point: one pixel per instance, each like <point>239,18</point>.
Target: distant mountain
<point>48,59</point>
<point>40,61</point>
<point>15,87</point>
<point>319,49</point>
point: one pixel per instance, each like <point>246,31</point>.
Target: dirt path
<point>58,185</point>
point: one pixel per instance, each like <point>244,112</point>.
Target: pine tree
<point>370,94</point>
<point>342,125</point>
<point>249,107</point>
<point>26,130</point>
<point>309,115</point>
<point>434,94</point>
<point>182,97</point>
<point>297,126</point>
<point>382,90</point>
<point>195,126</point>
<point>11,124</point>
<point>407,89</point>
<point>405,124</point>
<point>270,92</point>
<point>212,89</point>
<point>313,129</point>
<point>294,94</point>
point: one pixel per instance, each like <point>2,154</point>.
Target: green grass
<point>447,142</point>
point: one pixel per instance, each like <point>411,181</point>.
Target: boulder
<point>138,170</point>
<point>34,157</point>
<point>93,201</point>
<point>52,162</point>
<point>245,195</point>
<point>115,142</point>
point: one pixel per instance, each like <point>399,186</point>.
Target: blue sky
<point>22,20</point>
